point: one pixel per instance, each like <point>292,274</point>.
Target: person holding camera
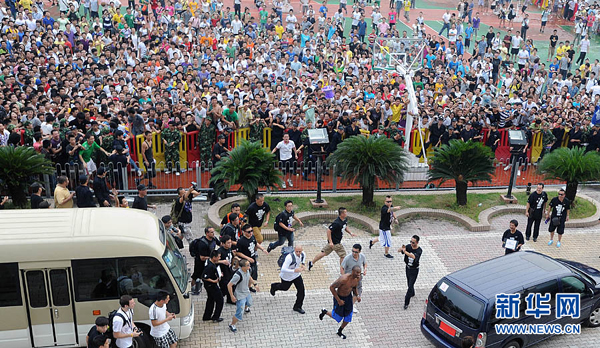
<point>161,331</point>
<point>124,329</point>
<point>182,210</point>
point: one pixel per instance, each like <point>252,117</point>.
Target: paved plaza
<point>381,321</point>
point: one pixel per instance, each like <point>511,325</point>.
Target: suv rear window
<point>457,304</point>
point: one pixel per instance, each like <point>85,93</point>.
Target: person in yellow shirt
<point>561,51</point>
<point>26,4</point>
<point>193,5</point>
<point>279,29</point>
<point>396,110</point>
<point>62,197</point>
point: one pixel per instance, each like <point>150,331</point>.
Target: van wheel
<point>594,319</point>
<point>512,344</point>
<point>143,341</point>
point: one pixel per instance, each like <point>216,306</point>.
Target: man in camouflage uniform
<point>395,134</point>
<point>206,139</point>
<point>28,133</point>
<point>548,140</point>
<point>256,129</point>
<point>171,138</point>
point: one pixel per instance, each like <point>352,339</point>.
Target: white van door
<point>50,307</point>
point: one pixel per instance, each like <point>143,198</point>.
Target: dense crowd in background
<point>78,84</point>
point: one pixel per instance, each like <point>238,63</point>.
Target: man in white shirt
<point>291,21</point>
<point>286,147</point>
<point>159,317</point>
<point>124,329</point>
<point>583,49</point>
<point>290,274</point>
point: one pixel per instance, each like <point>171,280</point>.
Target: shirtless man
<point>346,285</point>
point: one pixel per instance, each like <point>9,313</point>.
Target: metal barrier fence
<point>303,178</point>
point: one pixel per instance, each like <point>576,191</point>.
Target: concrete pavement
<point>381,321</point>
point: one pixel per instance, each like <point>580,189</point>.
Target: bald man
<point>291,270</point>
<point>342,290</point>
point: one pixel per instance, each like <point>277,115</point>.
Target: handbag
<point>555,221</point>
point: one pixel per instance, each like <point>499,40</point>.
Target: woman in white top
<point>584,46</point>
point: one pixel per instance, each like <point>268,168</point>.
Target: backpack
<point>110,332</point>
<point>174,214</point>
<point>238,272</point>
<point>285,251</point>
<point>195,246</point>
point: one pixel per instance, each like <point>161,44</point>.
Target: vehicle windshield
<point>580,272</point>
<point>457,304</point>
<point>175,261</point>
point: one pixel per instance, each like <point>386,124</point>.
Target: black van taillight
<point>481,338</point>
<point>425,310</point>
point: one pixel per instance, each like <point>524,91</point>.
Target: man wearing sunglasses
<point>385,227</point>
<point>557,215</point>
<point>412,256</point>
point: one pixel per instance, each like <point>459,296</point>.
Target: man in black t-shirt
<point>85,197</point>
<point>335,232</point>
<point>226,262</point>
<point>183,210</point>
<point>139,202</point>
<point>561,207</point>
<point>536,205</point>
<point>205,245</point>
<point>36,199</point>
<point>247,249</point>
<point>258,214</point>
<point>232,228</point>
<point>514,236</point>
<point>385,227</point>
<point>97,330</point>
<point>412,256</point>
<point>283,226</point>
<point>210,278</point>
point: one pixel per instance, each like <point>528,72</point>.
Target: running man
<point>343,289</point>
<point>385,227</point>
<point>335,232</point>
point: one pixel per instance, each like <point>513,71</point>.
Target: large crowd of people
<point>77,84</point>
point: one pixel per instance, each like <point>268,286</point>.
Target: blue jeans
<point>133,164</point>
<point>240,305</point>
<point>282,237</point>
<point>447,27</point>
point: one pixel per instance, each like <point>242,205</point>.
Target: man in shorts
<point>557,216</point>
<point>343,289</point>
<point>243,298</point>
<point>385,227</point>
<point>287,158</point>
<point>161,331</point>
<point>335,232</point>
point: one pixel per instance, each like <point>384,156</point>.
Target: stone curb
<point>373,226</point>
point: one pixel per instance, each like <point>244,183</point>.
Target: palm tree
<point>18,168</point>
<point>249,165</point>
<point>462,162</point>
<point>571,165</point>
<point>361,160</point>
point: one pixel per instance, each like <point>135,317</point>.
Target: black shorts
<point>288,166</point>
<point>514,51</point>
<point>560,229</point>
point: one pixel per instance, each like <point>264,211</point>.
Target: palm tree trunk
<point>18,195</point>
<point>367,196</point>
<point>571,191</point>
<point>461,192</point>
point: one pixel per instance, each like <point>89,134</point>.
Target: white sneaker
<point>507,167</point>
<point>178,173</point>
<point>139,173</point>
<point>290,183</point>
<point>167,172</point>
<point>518,173</point>
<point>283,185</point>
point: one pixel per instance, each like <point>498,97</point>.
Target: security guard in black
<point>337,229</point>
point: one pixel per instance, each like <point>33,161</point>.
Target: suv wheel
<point>594,319</point>
<point>512,344</point>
